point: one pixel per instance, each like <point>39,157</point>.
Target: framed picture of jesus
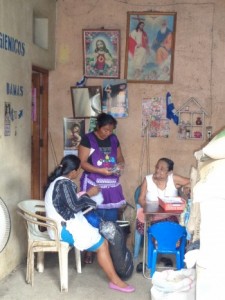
<point>150,43</point>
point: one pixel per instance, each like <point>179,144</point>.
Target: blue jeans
<point>111,214</point>
<point>96,216</point>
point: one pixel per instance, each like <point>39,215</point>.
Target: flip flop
<point>163,259</point>
<point>139,267</point>
<point>167,261</point>
<point>88,258</point>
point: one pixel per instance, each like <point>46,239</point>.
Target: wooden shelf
<point>188,127</point>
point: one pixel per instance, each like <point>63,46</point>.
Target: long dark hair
<point>169,162</point>
<point>105,49</point>
<point>138,25</point>
<point>68,163</point>
<point>105,119</point>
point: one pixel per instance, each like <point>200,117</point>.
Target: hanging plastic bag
<point>121,255</point>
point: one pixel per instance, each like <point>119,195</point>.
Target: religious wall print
<point>150,47</point>
<point>74,129</point>
<point>101,52</point>
<point>115,98</point>
<point>154,121</point>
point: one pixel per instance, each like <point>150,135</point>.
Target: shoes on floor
<point>88,258</point>
<point>139,267</point>
<point>127,289</point>
<point>166,261</point>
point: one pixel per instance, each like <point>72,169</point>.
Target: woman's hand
<point>93,191</point>
<point>121,167</point>
<point>105,171</point>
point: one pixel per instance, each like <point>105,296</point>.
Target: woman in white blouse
<point>161,183</point>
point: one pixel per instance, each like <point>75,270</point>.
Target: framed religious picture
<point>115,97</point>
<point>150,44</point>
<point>101,53</point>
<point>74,129</point>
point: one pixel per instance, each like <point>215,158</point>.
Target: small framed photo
<point>74,129</point>
<point>150,44</point>
<point>101,53</point>
<point>115,98</point>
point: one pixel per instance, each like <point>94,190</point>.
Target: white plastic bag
<point>157,295</point>
<point>98,198</point>
<point>174,281</point>
<point>191,258</point>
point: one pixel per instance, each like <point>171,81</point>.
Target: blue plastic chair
<point>138,238</point>
<point>163,238</point>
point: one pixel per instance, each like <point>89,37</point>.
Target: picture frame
<point>115,97</point>
<point>101,53</point>
<point>150,46</point>
<point>86,101</point>
<point>90,124</point>
<point>73,131</point>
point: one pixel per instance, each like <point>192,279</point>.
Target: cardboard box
<point>172,203</point>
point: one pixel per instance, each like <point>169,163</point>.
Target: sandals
<point>139,267</point>
<point>88,257</point>
<point>167,262</point>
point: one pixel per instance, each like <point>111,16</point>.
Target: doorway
<point>39,131</point>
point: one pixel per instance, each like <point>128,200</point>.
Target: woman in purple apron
<point>102,161</point>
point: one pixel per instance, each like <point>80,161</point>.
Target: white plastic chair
<point>33,212</point>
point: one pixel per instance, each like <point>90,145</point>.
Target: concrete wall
<point>16,23</point>
<point>198,72</point>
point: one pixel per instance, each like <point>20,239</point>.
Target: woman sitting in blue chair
<point>160,184</point>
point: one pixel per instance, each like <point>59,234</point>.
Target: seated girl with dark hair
<point>65,207</point>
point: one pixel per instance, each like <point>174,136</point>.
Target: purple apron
<point>110,187</point>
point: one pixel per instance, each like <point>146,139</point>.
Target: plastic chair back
<point>137,236</point>
<point>137,194</point>
<point>33,212</point>
<point>167,235</point>
<point>166,238</point>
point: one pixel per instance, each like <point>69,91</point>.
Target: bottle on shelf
<point>198,121</point>
<point>188,134</point>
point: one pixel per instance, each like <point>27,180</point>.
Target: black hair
<point>169,162</point>
<point>105,119</point>
<point>138,25</point>
<point>68,164</point>
<point>104,47</point>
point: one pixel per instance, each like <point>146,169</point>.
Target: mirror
<point>87,101</point>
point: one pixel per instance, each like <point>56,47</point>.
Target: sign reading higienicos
<point>12,44</point>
